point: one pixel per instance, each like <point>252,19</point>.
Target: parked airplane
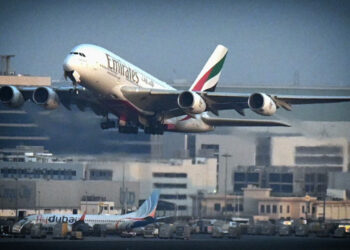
<point>108,84</point>
<point>146,214</point>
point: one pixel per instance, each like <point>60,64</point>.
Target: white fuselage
<point>112,222</point>
<point>105,73</point>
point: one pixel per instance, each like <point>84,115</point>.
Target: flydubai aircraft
<point>146,214</point>
<point>109,84</point>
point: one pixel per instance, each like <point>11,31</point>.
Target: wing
<point>165,101</point>
<point>79,97</point>
<point>242,123</point>
<point>239,102</point>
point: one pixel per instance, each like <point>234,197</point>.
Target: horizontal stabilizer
<point>243,123</point>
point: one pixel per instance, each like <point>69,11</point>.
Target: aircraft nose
<point>68,64</point>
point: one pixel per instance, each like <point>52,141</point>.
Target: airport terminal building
<point>66,185</point>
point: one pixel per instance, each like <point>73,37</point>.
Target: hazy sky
<point>268,41</point>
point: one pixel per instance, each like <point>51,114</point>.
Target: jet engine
<point>191,102</point>
<point>262,104</point>
<point>46,97</point>
<point>11,96</point>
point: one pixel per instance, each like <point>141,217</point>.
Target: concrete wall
<point>284,149</point>
<point>241,149</point>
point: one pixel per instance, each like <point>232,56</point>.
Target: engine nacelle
<point>46,97</point>
<point>11,96</point>
<point>191,102</point>
<point>262,104</point>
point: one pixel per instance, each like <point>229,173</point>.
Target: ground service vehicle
<point>60,231</point>
<point>38,231</point>
<point>183,232</point>
<point>166,231</point>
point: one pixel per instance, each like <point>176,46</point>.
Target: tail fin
<point>149,206</point>
<point>210,74</point>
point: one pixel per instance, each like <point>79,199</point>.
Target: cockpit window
<point>22,222</point>
<point>77,53</point>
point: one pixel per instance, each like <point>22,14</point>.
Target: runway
<point>201,242</point>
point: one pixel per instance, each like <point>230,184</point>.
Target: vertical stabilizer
<point>210,74</point>
<point>148,207</point>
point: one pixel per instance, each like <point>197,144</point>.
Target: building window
<point>287,178</point>
<point>252,177</point>
<point>182,207</point>
<point>173,196</point>
<point>275,188</point>
<point>170,175</point>
<point>169,185</point>
<point>335,150</point>
<point>101,174</point>
<point>288,209</point>
<point>322,178</point>
<point>281,209</point>
<point>239,176</point>
<point>268,209</point>
<point>309,177</point>
<point>274,209</point>
<point>303,209</point>
<point>274,177</point>
<point>238,187</point>
<point>229,207</point>
<point>217,206</point>
<point>262,209</point>
<point>317,160</point>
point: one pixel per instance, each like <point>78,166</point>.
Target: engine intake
<point>11,96</point>
<point>262,104</point>
<point>191,102</point>
<point>46,97</point>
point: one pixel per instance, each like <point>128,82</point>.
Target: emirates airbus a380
<point>110,85</point>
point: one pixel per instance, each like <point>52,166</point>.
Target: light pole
<point>39,202</point>
<point>16,179</point>
<point>225,198</point>
<point>86,201</point>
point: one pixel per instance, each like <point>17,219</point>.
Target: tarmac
<point>200,242</point>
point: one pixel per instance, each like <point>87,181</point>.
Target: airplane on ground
<point>144,215</point>
<point>108,84</point>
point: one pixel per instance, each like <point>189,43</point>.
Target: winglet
<point>210,74</point>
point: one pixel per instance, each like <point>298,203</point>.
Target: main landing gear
<point>128,129</point>
<point>108,124</point>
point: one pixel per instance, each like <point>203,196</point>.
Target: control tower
<point>5,65</point>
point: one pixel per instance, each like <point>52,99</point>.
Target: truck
<point>76,235</point>
<point>150,231</point>
<point>183,232</point>
<point>220,229</point>
<point>166,231</point>
<point>60,231</point>
<point>284,230</point>
<point>234,232</point>
<point>302,230</point>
